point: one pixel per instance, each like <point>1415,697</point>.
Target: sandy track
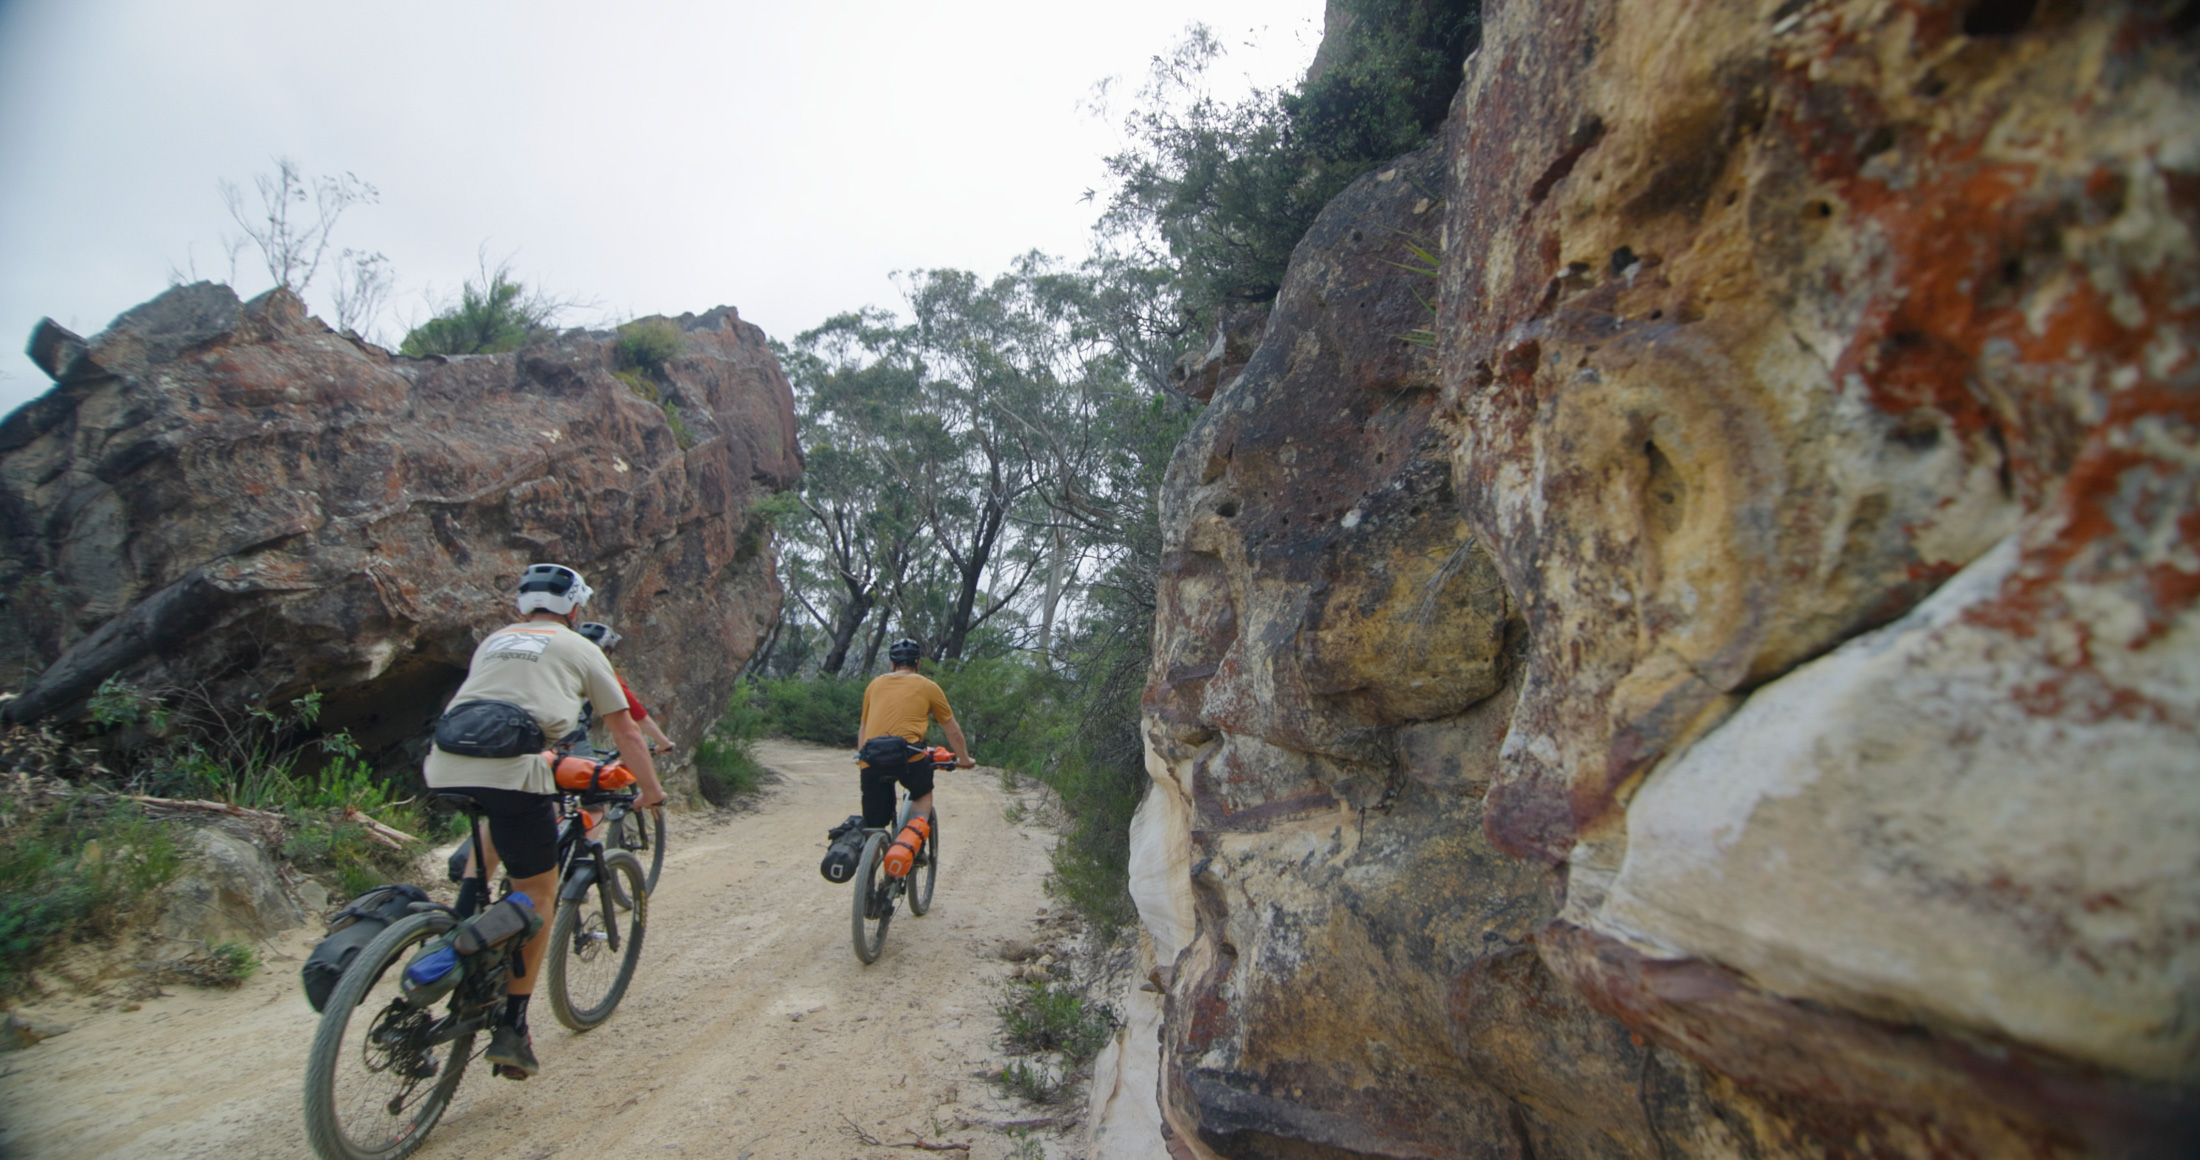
<point>750,1030</point>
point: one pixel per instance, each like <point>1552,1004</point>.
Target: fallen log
<point>389,836</point>
<point>201,806</point>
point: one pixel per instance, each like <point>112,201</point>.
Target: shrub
<point>74,871</point>
<point>1032,1083</point>
<point>225,965</point>
<point>496,314</point>
<point>725,768</point>
<point>1041,1017</point>
<point>826,712</point>
<point>648,346</point>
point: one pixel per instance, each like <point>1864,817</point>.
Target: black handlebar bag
<point>488,729</point>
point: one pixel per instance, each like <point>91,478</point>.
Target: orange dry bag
<point>903,853</point>
<point>579,773</point>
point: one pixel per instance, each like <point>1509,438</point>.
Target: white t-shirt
<point>545,667</point>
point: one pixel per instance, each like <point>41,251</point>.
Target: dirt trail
<point>750,1031</point>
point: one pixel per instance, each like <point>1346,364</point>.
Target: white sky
<point>783,158</point>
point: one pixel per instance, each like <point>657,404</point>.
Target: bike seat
<point>456,800</point>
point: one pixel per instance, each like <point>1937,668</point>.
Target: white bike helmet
<point>603,634</point>
<point>552,588</point>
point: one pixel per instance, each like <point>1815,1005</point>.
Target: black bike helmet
<point>603,634</point>
<point>904,651</point>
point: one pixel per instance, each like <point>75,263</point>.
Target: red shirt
<point>633,703</point>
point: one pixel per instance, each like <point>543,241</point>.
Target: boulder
<point>1737,696</point>
<point>231,498</point>
<point>228,890</point>
<point>18,1032</point>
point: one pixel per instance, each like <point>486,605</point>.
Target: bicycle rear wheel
<point>922,877</point>
<point>586,976</point>
<point>873,908</point>
<point>374,1085</point>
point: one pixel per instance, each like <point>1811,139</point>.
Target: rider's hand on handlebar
<point>650,799</point>
<point>964,761</point>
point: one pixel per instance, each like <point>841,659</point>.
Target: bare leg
<point>542,890</point>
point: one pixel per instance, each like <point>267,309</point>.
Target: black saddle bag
<point>353,928</point>
<point>488,729</point>
<point>846,847</point>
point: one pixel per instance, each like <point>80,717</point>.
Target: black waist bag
<point>488,729</point>
<point>847,846</point>
<point>355,926</point>
<point>886,750</point>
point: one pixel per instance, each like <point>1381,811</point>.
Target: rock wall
<point>231,498</point>
<point>1737,694</point>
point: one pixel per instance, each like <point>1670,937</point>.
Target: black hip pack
<point>886,749</point>
<point>488,729</point>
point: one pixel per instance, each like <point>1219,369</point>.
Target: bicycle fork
<point>593,873</point>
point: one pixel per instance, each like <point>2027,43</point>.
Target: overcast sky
<point>783,158</point>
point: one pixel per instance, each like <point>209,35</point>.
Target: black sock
<point>515,1012</point>
<point>471,893</point>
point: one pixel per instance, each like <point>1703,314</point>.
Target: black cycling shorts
<point>878,788</point>
<point>522,826</point>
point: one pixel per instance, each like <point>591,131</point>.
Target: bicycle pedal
<point>508,1072</point>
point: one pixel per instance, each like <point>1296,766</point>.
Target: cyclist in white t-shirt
<point>541,666</point>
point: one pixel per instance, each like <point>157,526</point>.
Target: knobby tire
<point>347,1116</point>
<point>585,976</point>
<point>872,909</point>
<point>921,878</point>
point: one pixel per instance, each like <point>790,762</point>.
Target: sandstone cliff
<point>1739,693</point>
<point>230,497</point>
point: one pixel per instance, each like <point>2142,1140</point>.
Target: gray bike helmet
<point>904,651</point>
<point>603,634</point>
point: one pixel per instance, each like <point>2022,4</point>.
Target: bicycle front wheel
<point>642,834</point>
<point>594,946</point>
<point>375,1084</point>
<point>922,877</point>
<point>873,907</point>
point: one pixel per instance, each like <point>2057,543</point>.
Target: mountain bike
<point>877,893</point>
<point>382,1071</point>
<point>638,832</point>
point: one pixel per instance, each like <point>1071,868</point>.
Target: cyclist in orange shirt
<point>903,704</point>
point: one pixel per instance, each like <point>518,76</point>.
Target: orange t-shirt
<point>899,703</point>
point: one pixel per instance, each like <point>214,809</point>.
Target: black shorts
<point>878,788</point>
<point>522,826</point>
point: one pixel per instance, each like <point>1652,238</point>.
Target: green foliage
<point>1225,191</point>
<point>229,964</point>
<point>641,384</point>
<point>822,712</point>
<point>495,314</point>
<point>648,346</point>
<point>726,768</point>
<point>644,355</point>
<point>679,426</point>
<point>1031,1082</point>
<point>262,762</point>
<point>73,871</point>
<point>1039,1017</point>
